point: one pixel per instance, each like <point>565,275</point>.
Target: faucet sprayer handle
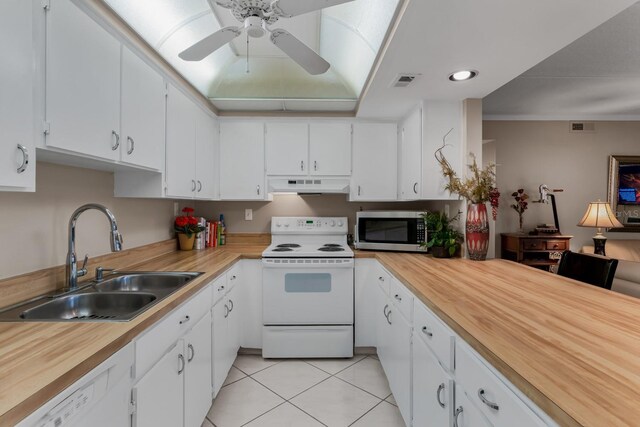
<point>83,271</point>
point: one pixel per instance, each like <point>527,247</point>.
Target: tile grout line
<point>360,417</point>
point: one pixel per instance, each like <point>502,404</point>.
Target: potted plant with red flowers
<point>520,205</point>
<point>187,228</point>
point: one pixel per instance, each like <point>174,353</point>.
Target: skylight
<point>348,36</point>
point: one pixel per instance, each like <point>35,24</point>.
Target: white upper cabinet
<point>287,148</point>
<point>142,112</point>
<point>82,84</point>
<point>330,149</point>
<point>375,165</point>
<point>441,118</point>
<point>181,145</point>
<point>410,175</point>
<point>207,144</point>
<point>17,137</point>
<point>242,160</point>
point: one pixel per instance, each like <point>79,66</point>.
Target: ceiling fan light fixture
<point>254,26</point>
<point>462,75</point>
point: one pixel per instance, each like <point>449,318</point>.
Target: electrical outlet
<point>248,214</point>
<point>176,208</point>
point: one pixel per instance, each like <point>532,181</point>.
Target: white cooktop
<point>308,237</point>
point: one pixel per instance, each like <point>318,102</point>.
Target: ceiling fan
<point>257,17</point>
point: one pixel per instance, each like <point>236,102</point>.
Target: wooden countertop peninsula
<point>573,349</point>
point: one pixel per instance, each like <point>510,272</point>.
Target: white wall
<point>33,226</point>
<point>530,153</point>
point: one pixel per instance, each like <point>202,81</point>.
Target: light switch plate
<point>176,208</point>
<point>248,214</point>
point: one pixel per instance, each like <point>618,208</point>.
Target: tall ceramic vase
<point>477,231</point>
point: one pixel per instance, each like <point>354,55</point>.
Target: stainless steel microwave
<point>401,231</point>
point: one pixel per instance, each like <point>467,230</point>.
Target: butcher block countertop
<point>571,348</point>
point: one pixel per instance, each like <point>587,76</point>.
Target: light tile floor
<point>305,393</point>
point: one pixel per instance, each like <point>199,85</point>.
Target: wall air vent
<point>582,127</point>
<point>404,80</point>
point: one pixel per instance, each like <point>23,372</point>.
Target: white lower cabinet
<point>226,328</point>
<point>467,415</point>
<point>197,373</point>
<point>432,388</point>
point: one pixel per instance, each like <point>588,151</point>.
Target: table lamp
<point>599,215</point>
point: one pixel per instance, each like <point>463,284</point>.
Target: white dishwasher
<point>99,399</point>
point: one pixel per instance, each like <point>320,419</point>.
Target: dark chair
<point>595,270</point>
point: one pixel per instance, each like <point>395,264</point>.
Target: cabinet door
<point>440,117</point>
<point>233,326</point>
<point>375,162</point>
<point>206,147</point>
<point>142,113</point>
<point>411,156</point>
<point>197,380</point>
<point>366,313</point>
<point>432,389</point>
<point>242,161</point>
<point>82,83</point>
<point>400,378</point>
<point>181,140</point>
<point>287,148</point>
<point>159,395</point>
<point>219,344</point>
<point>383,331</point>
<point>16,94</point>
<point>466,414</point>
<point>330,149</point>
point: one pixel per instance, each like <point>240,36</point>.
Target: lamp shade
<point>599,215</point>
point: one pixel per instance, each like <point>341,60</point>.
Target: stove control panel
<point>309,224</point>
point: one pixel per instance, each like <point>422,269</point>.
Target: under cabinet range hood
<point>309,185</point>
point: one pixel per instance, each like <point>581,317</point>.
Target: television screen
<point>629,185</point>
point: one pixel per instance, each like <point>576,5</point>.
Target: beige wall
<point>33,226</point>
<point>294,205</point>
<point>534,152</point>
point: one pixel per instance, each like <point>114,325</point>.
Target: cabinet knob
<point>230,306</point>
<point>302,165</point>
<point>226,311</point>
<point>184,320</point>
<point>25,158</point>
<point>381,278</point>
<point>315,165</point>
<point>398,297</point>
<point>426,331</point>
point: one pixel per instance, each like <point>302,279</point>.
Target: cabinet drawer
<point>218,288</point>
<point>556,245</point>
<point>533,245</point>
<point>233,276</point>
<point>485,389</point>
<point>151,346</point>
<point>383,278</point>
<point>438,337</point>
<point>402,298</point>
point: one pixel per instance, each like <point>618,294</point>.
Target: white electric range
<point>307,303</point>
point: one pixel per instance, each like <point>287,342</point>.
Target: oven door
<point>307,291</point>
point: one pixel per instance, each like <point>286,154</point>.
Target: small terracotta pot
<point>186,242</point>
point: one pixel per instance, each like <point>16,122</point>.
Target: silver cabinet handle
<point>484,400</point>
<point>116,135</point>
<point>359,192</point>
<point>199,186</point>
<point>221,288</point>
<point>456,415</point>
<point>232,277</point>
<point>389,317</point>
<point>415,188</point>
<point>426,331</point>
<point>25,158</point>
<point>193,353</point>
<point>301,165</point>
<point>132,145</point>
<point>181,359</point>
<point>315,165</point>
<point>185,319</point>
<point>231,306</point>
<point>440,389</point>
<point>398,297</point>
<point>384,310</point>
<point>258,190</point>
<point>226,311</point>
<point>193,185</point>
<point>381,278</point>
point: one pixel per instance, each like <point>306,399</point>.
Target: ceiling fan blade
<point>210,44</point>
<point>289,8</point>
<point>299,52</point>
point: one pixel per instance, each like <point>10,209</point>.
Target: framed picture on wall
<point>624,191</point>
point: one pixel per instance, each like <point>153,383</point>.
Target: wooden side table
<point>540,251</point>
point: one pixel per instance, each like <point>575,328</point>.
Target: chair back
<point>595,270</point>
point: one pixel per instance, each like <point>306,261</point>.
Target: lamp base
<point>599,241</point>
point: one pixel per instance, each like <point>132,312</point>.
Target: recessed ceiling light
<point>461,75</point>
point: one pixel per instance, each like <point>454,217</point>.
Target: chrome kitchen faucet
<point>72,273</point>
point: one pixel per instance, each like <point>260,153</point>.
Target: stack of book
<point>212,236</point>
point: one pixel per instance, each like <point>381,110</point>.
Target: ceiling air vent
<point>404,80</point>
<point>582,127</point>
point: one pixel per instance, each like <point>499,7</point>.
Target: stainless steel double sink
<point>120,297</point>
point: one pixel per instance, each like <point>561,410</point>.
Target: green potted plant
<point>443,239</point>
<point>187,228</point>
